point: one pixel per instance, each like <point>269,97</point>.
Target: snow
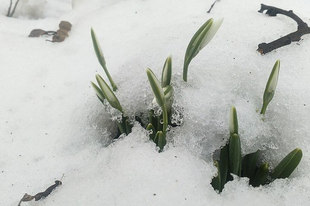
<point>53,124</point>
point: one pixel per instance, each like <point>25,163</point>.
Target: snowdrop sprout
<point>101,59</point>
<point>108,94</point>
<point>233,121</point>
<point>167,72</point>
<point>159,95</point>
<point>200,39</point>
<point>271,86</point>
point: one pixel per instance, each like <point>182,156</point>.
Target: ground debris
<point>302,29</point>
<point>40,195</point>
<point>58,36</point>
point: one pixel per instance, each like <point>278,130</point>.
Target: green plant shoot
<point>235,154</point>
<point>98,91</point>
<point>260,177</point>
<point>271,86</point>
<point>200,39</point>
<point>109,94</point>
<point>166,73</point>
<point>285,168</point>
<point>233,121</point>
<point>101,59</point>
<point>159,96</point>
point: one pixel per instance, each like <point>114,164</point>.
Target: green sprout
<point>285,168</point>
<point>166,73</point>
<point>101,59</point>
<point>271,86</point>
<point>200,39</point>
<point>161,101</point>
<point>233,121</point>
<point>232,162</point>
<point>109,94</point>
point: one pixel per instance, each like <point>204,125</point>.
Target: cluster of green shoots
<point>231,160</point>
<point>163,91</point>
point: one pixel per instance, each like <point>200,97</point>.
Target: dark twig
<point>302,29</point>
<point>14,8</point>
<point>40,195</point>
<point>9,10</point>
<point>212,6</point>
<point>10,14</point>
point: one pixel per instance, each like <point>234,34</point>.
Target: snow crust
<point>52,123</point>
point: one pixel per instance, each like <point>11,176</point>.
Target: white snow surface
<point>53,124</point>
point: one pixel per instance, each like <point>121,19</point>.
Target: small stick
<point>212,6</point>
<point>14,8</point>
<point>302,29</point>
<point>9,10</point>
<point>41,195</point>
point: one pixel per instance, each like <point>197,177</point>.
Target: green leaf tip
<point>235,154</point>
<point>200,39</point>
<point>286,167</point>
<point>160,138</point>
<point>261,174</point>
<point>233,121</point>
<point>159,96</point>
<point>100,58</point>
<point>109,94</point>
<point>152,131</point>
<point>167,72</point>
<point>249,164</point>
<point>98,91</point>
<point>156,87</point>
<point>271,86</point>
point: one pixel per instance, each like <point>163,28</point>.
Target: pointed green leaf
<point>285,168</point>
<point>109,94</point>
<point>101,59</point>
<point>210,34</point>
<point>152,130</point>
<point>128,126</point>
<point>234,154</point>
<point>156,87</point>
<point>223,166</point>
<point>152,118</point>
<point>260,177</point>
<point>271,86</point>
<point>233,121</point>
<point>161,140</point>
<point>166,73</point>
<point>98,91</point>
<point>250,164</point>
<point>168,92</point>
<point>200,39</point>
<point>159,96</point>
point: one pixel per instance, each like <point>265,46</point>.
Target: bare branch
<point>302,29</point>
<point>9,10</point>
<point>14,8</point>
<point>212,6</point>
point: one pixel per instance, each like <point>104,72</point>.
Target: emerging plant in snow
<point>163,91</point>
<point>231,162</point>
<point>271,86</point>
<point>200,39</point>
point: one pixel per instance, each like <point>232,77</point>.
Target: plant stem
<point>165,120</point>
<point>263,111</point>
